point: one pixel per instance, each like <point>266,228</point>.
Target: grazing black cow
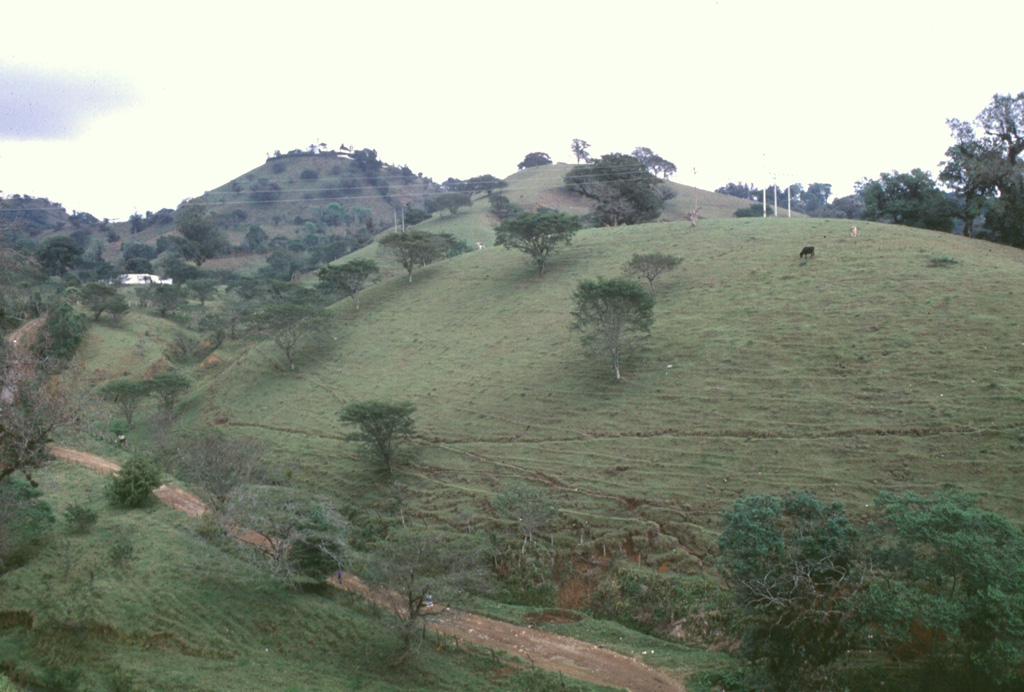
<point>807,252</point>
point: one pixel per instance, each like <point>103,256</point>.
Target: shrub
<point>134,484</point>
<point>309,174</point>
<point>122,552</point>
<point>63,332</point>
<point>80,518</point>
<point>278,167</point>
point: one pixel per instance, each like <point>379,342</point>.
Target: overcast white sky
<point>112,107</point>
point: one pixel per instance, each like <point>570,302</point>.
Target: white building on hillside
<point>141,279</point>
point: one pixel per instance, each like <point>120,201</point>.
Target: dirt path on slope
<point>543,649</point>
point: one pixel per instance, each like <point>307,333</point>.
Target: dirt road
<point>544,649</point>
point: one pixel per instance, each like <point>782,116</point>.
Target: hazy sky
<point>113,107</point>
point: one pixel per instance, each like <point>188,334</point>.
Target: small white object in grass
<point>667,366</point>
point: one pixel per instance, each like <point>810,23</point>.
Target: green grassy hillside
<point>888,362</point>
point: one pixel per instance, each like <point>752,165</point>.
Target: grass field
<point>888,362</point>
<point>867,368</point>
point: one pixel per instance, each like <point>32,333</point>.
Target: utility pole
<point>775,196</point>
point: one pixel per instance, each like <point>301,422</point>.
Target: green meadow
<point>892,361</point>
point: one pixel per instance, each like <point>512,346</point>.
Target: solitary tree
<point>612,314</point>
<point>169,388</point>
<point>412,248</point>
<point>349,278</point>
<point>219,465</point>
<point>622,187</point>
<point>450,201</point>
<point>537,233</point>
<point>202,289</point>
<point>384,428</point>
<point>534,159</point>
<point>579,150</point>
<point>424,567</point>
<point>650,266</point>
<point>530,509</point>
<point>201,238</point>
<point>127,394</point>
<point>654,163</point>
<point>99,298</point>
<point>290,323</point>
<point>134,484</point>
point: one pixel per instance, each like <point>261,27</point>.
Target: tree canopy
<point>622,187</point>
<point>413,248</point>
<point>911,199</point>
<point>537,233</point>
<point>534,159</point>
<point>612,314</point>
<point>384,428</point>
<point>349,278</point>
<point>201,240</point>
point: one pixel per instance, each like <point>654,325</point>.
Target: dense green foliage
<point>384,429</point>
<point>25,521</point>
<point>537,234</point>
<point>349,278</point>
<point>134,484</point>
<point>911,199</point>
<point>202,239</point>
<point>650,266</point>
<point>62,333</point>
<point>414,248</point>
<point>622,187</point>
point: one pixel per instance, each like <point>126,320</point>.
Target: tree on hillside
<point>450,201</point>
<point>164,297</point>
<point>537,233</point>
<point>62,333</point>
<point>425,567</point>
<point>349,278</point>
<point>794,565</point>
<point>169,387</point>
<point>986,170</point>
<point>290,322</point>
<point>530,509</point>
<point>484,183</point>
<point>579,150</point>
<point>911,199</point>
<point>58,255</point>
<point>134,484</point>
<point>949,584</point>
<point>655,164</point>
<point>622,187</point>
<point>384,428</point>
<point>534,159</point>
<point>612,314</point>
<point>219,465</point>
<point>201,240</point>
<point>650,266</point>
<point>33,406</point>
<point>99,298</point>
<point>202,289</point>
<point>412,248</point>
<point>127,394</point>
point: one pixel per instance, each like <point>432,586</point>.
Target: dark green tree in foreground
<point>59,254</point>
<point>349,278</point>
<point>134,484</point>
<point>99,298</point>
<point>793,564</point>
<point>384,428</point>
<point>951,591</point>
<point>612,314</point>
<point>537,233</point>
<point>650,266</point>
